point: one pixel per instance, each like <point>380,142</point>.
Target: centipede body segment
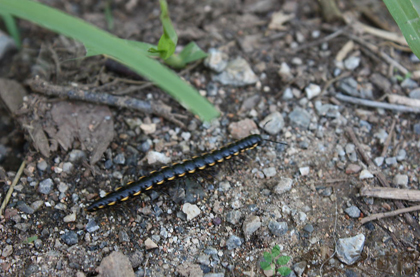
<point>176,170</point>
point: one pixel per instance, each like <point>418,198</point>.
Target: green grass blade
<point>406,14</point>
<point>169,39</point>
<point>190,53</point>
<point>101,42</point>
<point>12,28</point>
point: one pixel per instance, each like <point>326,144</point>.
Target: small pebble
<point>308,228</point>
<point>45,186</point>
<point>91,226</point>
<point>401,180</point>
<point>76,155</point>
<point>42,165</point>
<point>401,155</point>
<point>251,224</point>
<point>352,63</point>
<point>391,160</point>
<point>155,157</point>
<point>270,172</point>
<point>283,186</point>
<point>353,168</point>
<point>379,161</point>
<point>70,218</point>
<point>7,251</point>
<point>233,242</point>
<point>278,228</point>
<point>190,210</point>
<point>312,91</point>
<point>70,238</point>
<point>119,159</point>
<point>350,249</point>
<point>353,211</point>
<point>25,208</point>
<point>365,174</point>
<point>233,217</point>
<point>304,170</point>
<point>37,204</point>
<point>68,167</point>
<point>150,244</point>
<point>273,123</point>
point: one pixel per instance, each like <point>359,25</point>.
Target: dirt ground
<point>304,196</point>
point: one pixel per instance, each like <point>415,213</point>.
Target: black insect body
<point>177,170</point>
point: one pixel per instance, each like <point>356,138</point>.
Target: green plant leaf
<point>101,42</point>
<point>276,251</point>
<point>283,260</point>
<point>108,15</point>
<point>169,39</point>
<point>12,28</point>
<point>190,53</point>
<point>268,257</point>
<point>284,271</point>
<point>407,15</point>
<point>266,266</point>
<point>30,239</point>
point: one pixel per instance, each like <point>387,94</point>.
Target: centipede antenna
<point>279,142</point>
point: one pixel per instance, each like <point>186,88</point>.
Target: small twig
<point>376,50</point>
<point>382,180</point>
<point>376,104</point>
<point>389,214</point>
<point>319,41</point>
<point>12,186</point>
<point>391,193</point>
<point>388,139</point>
<point>41,86</point>
<point>333,80</point>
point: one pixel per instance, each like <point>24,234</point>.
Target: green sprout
<point>271,259</point>
<point>30,240</point>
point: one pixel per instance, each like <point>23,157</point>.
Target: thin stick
<point>383,181</point>
<point>319,41</point>
<point>388,139</point>
<point>376,104</point>
<point>333,80</point>
<point>389,214</point>
<point>12,186</point>
<point>391,193</point>
<point>41,86</point>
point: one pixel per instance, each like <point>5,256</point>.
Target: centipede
<point>176,171</point>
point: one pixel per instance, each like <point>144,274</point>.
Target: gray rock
<point>190,210</point>
<point>391,161</point>
<point>401,180</point>
<point>212,89</point>
<point>42,165</point>
<point>7,251</point>
<point>77,155</point>
<point>299,268</point>
<point>68,167</point>
<point>287,94</point>
<point>379,161</point>
<point>216,60</point>
<point>350,249</point>
<point>278,228</point>
<point>37,204</point>
<point>312,90</point>
<point>123,236</point>
<point>237,73</point>
<point>233,217</point>
<point>273,123</point>
<point>233,242</point>
<point>349,86</point>
<point>299,218</point>
<point>283,186</point>
<point>381,135</point>
<point>70,218</point>
<point>269,172</point>
<point>23,226</point>
<point>204,259</point>
<point>409,83</point>
<point>91,226</point>
<point>353,211</point>
<point>402,154</point>
<point>70,238</point>
<point>365,174</point>
<point>46,186</point>
<point>308,228</point>
<point>25,208</point>
<point>416,128</point>
<point>415,93</point>
<point>251,224</point>
<point>119,159</point>
<point>352,63</point>
<point>300,118</point>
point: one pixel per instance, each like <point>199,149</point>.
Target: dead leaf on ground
<point>11,94</point>
<point>91,124</point>
<point>278,19</point>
